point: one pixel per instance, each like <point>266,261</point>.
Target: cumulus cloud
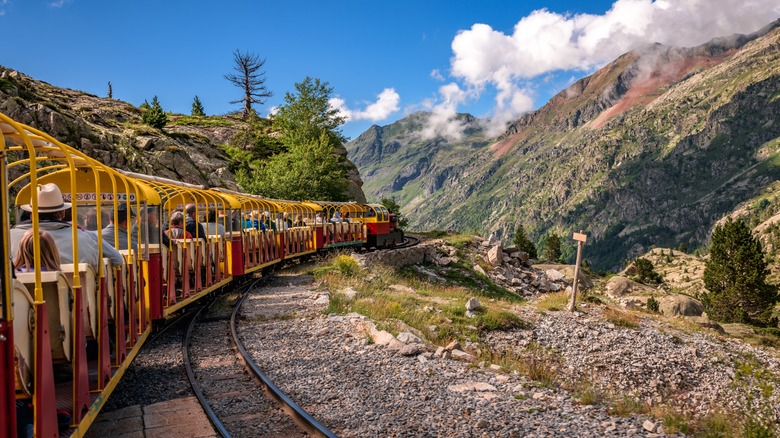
<point>545,42</point>
<point>443,121</point>
<point>387,103</point>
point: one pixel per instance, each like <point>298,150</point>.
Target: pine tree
<point>552,248</point>
<point>153,114</point>
<point>645,271</point>
<point>250,79</point>
<point>522,242</point>
<point>110,91</point>
<point>197,108</point>
<point>735,277</point>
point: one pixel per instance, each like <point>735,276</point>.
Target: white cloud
<point>387,103</point>
<point>443,120</point>
<point>436,74</point>
<point>545,42</point>
<point>58,3</point>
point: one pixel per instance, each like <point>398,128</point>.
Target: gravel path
<point>360,389</point>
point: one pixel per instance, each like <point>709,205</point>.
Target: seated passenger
<point>336,219</point>
<point>191,223</point>
<point>346,218</point>
<point>299,221</point>
<point>213,227</point>
<point>25,254</point>
<point>318,218</point>
<point>120,229</point>
<point>176,229</point>
<point>50,214</point>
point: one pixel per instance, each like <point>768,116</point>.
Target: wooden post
<point>580,238</point>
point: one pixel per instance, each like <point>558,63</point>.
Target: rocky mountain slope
<point>652,149</point>
<point>111,131</point>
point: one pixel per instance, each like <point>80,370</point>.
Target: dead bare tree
<point>250,79</point>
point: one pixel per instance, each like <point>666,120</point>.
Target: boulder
<point>618,286</point>
<point>478,269</point>
<point>473,304</point>
<point>409,338</point>
<point>554,275</point>
<point>568,273</point>
<point>412,350</point>
<point>494,255</point>
<point>680,305</point>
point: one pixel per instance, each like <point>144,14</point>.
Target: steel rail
<point>188,363</point>
<point>301,417</point>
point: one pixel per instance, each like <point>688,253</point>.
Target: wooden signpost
<point>580,238</point>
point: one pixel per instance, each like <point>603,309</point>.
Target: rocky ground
<point>358,387</point>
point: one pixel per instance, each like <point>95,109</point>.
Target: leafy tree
<point>309,170</point>
<point>392,206</point>
<point>523,242</point>
<point>153,115</point>
<point>250,79</point>
<point>645,272</point>
<point>552,248</point>
<point>735,277</point>
<point>306,115</point>
<point>197,108</point>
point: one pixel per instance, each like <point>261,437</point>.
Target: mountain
<point>111,131</point>
<point>651,150</point>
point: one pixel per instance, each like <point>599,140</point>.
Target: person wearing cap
<point>51,211</point>
<point>118,227</point>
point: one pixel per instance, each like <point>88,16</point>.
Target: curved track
<point>239,405</point>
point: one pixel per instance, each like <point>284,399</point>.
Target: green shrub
<point>153,115</point>
<point>653,305</point>
<point>346,265</point>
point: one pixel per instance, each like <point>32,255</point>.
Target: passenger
<point>192,225</point>
<point>122,228</point>
<point>346,218</point>
<point>90,220</point>
<point>25,254</point>
<point>286,221</point>
<point>268,222</point>
<point>318,218</point>
<point>299,221</point>
<point>261,225</point>
<point>213,227</point>
<point>176,229</point>
<point>336,219</point>
<point>50,214</point>
<point>152,219</point>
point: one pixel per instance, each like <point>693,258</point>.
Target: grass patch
<point>199,121</point>
<point>553,302</point>
<point>437,310</point>
<point>621,319</point>
<point>626,406</point>
<point>534,362</point>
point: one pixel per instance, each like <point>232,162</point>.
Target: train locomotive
<point>88,317</point>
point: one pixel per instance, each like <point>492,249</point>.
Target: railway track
<point>238,398</point>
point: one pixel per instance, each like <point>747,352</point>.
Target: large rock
<point>618,286</point>
<point>680,305</point>
<point>568,272</point>
<point>494,255</point>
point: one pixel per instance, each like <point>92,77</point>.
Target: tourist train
<point>120,268</point>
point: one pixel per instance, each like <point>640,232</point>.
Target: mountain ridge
<point>642,176</point>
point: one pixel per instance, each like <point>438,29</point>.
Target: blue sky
<point>493,59</point>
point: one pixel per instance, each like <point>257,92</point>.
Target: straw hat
<point>49,200</point>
